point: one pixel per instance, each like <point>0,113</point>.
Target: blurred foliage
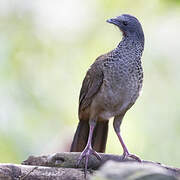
<point>46,48</point>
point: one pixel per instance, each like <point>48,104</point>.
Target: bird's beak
<point>114,21</point>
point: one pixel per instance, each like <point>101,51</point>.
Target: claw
<point>126,155</point>
<point>96,155</point>
<point>135,157</point>
<point>88,151</point>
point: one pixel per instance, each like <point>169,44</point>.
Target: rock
<point>112,170</point>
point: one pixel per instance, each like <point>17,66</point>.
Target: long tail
<point>98,140</point>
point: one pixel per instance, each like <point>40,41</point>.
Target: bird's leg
<point>116,124</point>
<point>88,150</point>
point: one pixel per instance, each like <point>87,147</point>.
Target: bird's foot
<point>88,151</point>
<point>126,155</point>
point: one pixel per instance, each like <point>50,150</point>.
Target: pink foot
<point>88,151</point>
<point>126,155</point>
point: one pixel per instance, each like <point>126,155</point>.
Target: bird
<point>110,88</point>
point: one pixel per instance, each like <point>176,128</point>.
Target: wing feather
<point>91,85</point>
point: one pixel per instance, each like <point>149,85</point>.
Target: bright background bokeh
<point>46,48</point>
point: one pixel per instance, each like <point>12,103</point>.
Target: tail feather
<point>80,137</point>
<point>98,140</point>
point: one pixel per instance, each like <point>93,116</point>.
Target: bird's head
<point>129,25</point>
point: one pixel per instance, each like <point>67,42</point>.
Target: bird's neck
<point>132,44</point>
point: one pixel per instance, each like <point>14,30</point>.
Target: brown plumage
<point>90,86</point>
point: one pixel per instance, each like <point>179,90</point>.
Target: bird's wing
<point>91,84</point>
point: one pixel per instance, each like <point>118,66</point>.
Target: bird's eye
<point>125,23</point>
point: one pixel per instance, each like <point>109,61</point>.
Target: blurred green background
<point>46,48</point>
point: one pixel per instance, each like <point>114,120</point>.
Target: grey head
<point>130,26</point>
